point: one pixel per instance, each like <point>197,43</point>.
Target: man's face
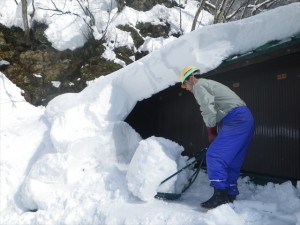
<point>188,84</point>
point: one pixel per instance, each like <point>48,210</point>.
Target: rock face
<point>44,72</point>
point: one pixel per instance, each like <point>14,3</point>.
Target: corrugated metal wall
<point>271,89</point>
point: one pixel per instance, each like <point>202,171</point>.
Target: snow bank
<point>22,133</point>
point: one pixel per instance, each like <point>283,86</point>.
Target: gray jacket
<point>215,99</point>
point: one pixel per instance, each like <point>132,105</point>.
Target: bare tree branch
<point>33,9</point>
<point>229,17</point>
<point>264,3</point>
<point>54,4</point>
<point>109,20</point>
<point>269,5</point>
<point>88,13</point>
<point>180,18</point>
<point>253,11</point>
<point>244,10</point>
<point>219,17</point>
<point>90,22</point>
<point>211,8</point>
<point>200,7</point>
<point>60,12</point>
<point>257,5</point>
<point>228,8</point>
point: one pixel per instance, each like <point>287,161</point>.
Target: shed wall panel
<point>272,91</point>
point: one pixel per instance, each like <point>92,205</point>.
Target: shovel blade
<point>167,196</point>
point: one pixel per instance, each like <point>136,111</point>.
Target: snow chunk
<point>155,159</point>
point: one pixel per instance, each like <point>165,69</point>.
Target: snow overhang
<point>111,98</point>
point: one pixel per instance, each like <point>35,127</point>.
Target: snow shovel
<point>198,162</point>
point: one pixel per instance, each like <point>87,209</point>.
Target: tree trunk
<point>201,4</point>
<point>221,11</point>
<point>120,5</point>
<point>25,21</point>
<point>33,10</point>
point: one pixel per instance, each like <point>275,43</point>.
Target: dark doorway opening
<point>173,114</point>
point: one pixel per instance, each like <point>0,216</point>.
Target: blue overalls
<point>225,155</point>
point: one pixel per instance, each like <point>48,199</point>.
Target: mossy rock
<point>6,55</point>
<point>141,54</point>
<point>124,54</point>
<point>2,39</point>
<point>145,5</point>
<point>90,49</point>
<point>154,31</point>
<point>137,38</point>
<point>96,67</point>
<point>37,33</point>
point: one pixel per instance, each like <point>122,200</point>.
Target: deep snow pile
<point>76,161</point>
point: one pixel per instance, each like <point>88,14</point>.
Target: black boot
<point>231,198</point>
<point>219,197</point>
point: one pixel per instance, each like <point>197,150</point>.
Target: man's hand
<point>211,133</point>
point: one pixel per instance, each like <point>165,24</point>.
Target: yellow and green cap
<point>187,71</point>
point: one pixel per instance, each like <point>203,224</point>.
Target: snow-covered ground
<point>77,162</point>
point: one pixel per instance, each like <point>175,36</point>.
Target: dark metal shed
<point>268,80</point>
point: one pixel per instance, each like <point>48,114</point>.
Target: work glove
<point>211,133</point>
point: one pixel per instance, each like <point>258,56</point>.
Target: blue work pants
<point>226,154</point>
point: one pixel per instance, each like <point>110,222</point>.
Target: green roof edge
<point>271,49</point>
